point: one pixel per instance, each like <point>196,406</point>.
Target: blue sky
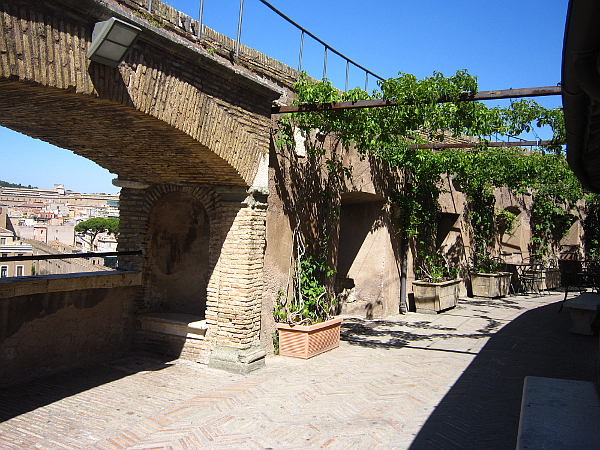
<point>506,44</point>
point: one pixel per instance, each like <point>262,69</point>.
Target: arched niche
<point>178,254</point>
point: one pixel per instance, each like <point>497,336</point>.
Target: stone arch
<point>156,106</point>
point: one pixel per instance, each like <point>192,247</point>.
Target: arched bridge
<point>170,113</point>
<point>188,133</point>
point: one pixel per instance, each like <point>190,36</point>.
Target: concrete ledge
<point>185,325</point>
<point>16,287</point>
<point>559,414</point>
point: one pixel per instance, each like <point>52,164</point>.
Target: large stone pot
<point>435,297</point>
<point>552,279</point>
<point>306,341</point>
<point>490,285</point>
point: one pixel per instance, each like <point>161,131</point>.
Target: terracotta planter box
<point>435,297</point>
<point>306,341</point>
<point>490,285</point>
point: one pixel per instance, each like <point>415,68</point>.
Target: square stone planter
<point>490,285</point>
<point>435,297</point>
<point>306,341</point>
<point>552,279</point>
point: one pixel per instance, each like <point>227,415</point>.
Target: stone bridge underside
<point>169,114</point>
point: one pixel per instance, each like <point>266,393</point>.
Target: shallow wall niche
<point>178,254</point>
<point>368,276</point>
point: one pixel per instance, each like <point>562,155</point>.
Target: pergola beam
<point>489,144</point>
<point>482,95</point>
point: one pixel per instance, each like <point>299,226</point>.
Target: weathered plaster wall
<point>296,202</point>
<point>178,247</point>
<point>366,257</point>
<point>62,321</point>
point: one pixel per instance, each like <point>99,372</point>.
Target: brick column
<point>235,293</point>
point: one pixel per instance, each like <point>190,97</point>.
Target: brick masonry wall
<point>236,255</point>
<point>203,117</point>
<point>174,116</point>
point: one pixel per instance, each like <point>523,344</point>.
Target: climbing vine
<point>389,134</point>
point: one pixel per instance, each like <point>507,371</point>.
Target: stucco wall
<point>366,257</point>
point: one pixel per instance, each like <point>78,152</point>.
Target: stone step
<point>174,334</point>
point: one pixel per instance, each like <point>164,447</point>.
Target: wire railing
<point>303,32</point>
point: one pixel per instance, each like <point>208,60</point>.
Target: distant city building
<point>11,246</point>
<point>48,217</point>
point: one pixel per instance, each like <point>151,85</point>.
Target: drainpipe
<point>404,264</point>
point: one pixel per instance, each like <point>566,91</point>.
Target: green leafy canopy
<point>418,118</point>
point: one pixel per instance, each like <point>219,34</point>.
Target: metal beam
<point>434,145</point>
<point>68,256</point>
<point>483,95</point>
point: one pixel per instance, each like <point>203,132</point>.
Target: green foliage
<point>419,118</point>
<point>506,221</point>
<point>13,185</point>
<point>152,20</point>
<point>591,226</point>
<point>435,269</point>
<point>310,302</point>
<point>275,337</point>
<point>486,264</point>
<point>96,225</point>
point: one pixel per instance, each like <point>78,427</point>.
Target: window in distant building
<point>2,241</point>
<point>19,271</point>
<point>4,255</point>
<point>3,271</point>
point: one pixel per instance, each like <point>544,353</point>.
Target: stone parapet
<point>15,287</point>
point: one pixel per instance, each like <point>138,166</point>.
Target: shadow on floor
<point>481,410</point>
<point>385,334</point>
<point>21,398</point>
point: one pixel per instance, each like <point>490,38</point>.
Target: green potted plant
<point>304,312</point>
<point>438,288</point>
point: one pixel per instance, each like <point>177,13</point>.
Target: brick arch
<point>136,234</point>
<point>152,119</point>
<point>205,194</point>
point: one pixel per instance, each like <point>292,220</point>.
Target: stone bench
<point>178,335</point>
<point>559,414</point>
<point>583,310</point>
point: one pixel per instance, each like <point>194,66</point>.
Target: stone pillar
<point>132,222</point>
<point>235,292</point>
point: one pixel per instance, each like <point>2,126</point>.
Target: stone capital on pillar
<point>119,182</point>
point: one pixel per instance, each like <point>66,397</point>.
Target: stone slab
<point>559,414</point>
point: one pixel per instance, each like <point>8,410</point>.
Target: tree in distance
<point>96,225</point>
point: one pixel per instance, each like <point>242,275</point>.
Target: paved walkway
<point>415,381</point>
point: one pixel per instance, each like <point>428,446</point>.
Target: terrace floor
<point>414,381</point>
